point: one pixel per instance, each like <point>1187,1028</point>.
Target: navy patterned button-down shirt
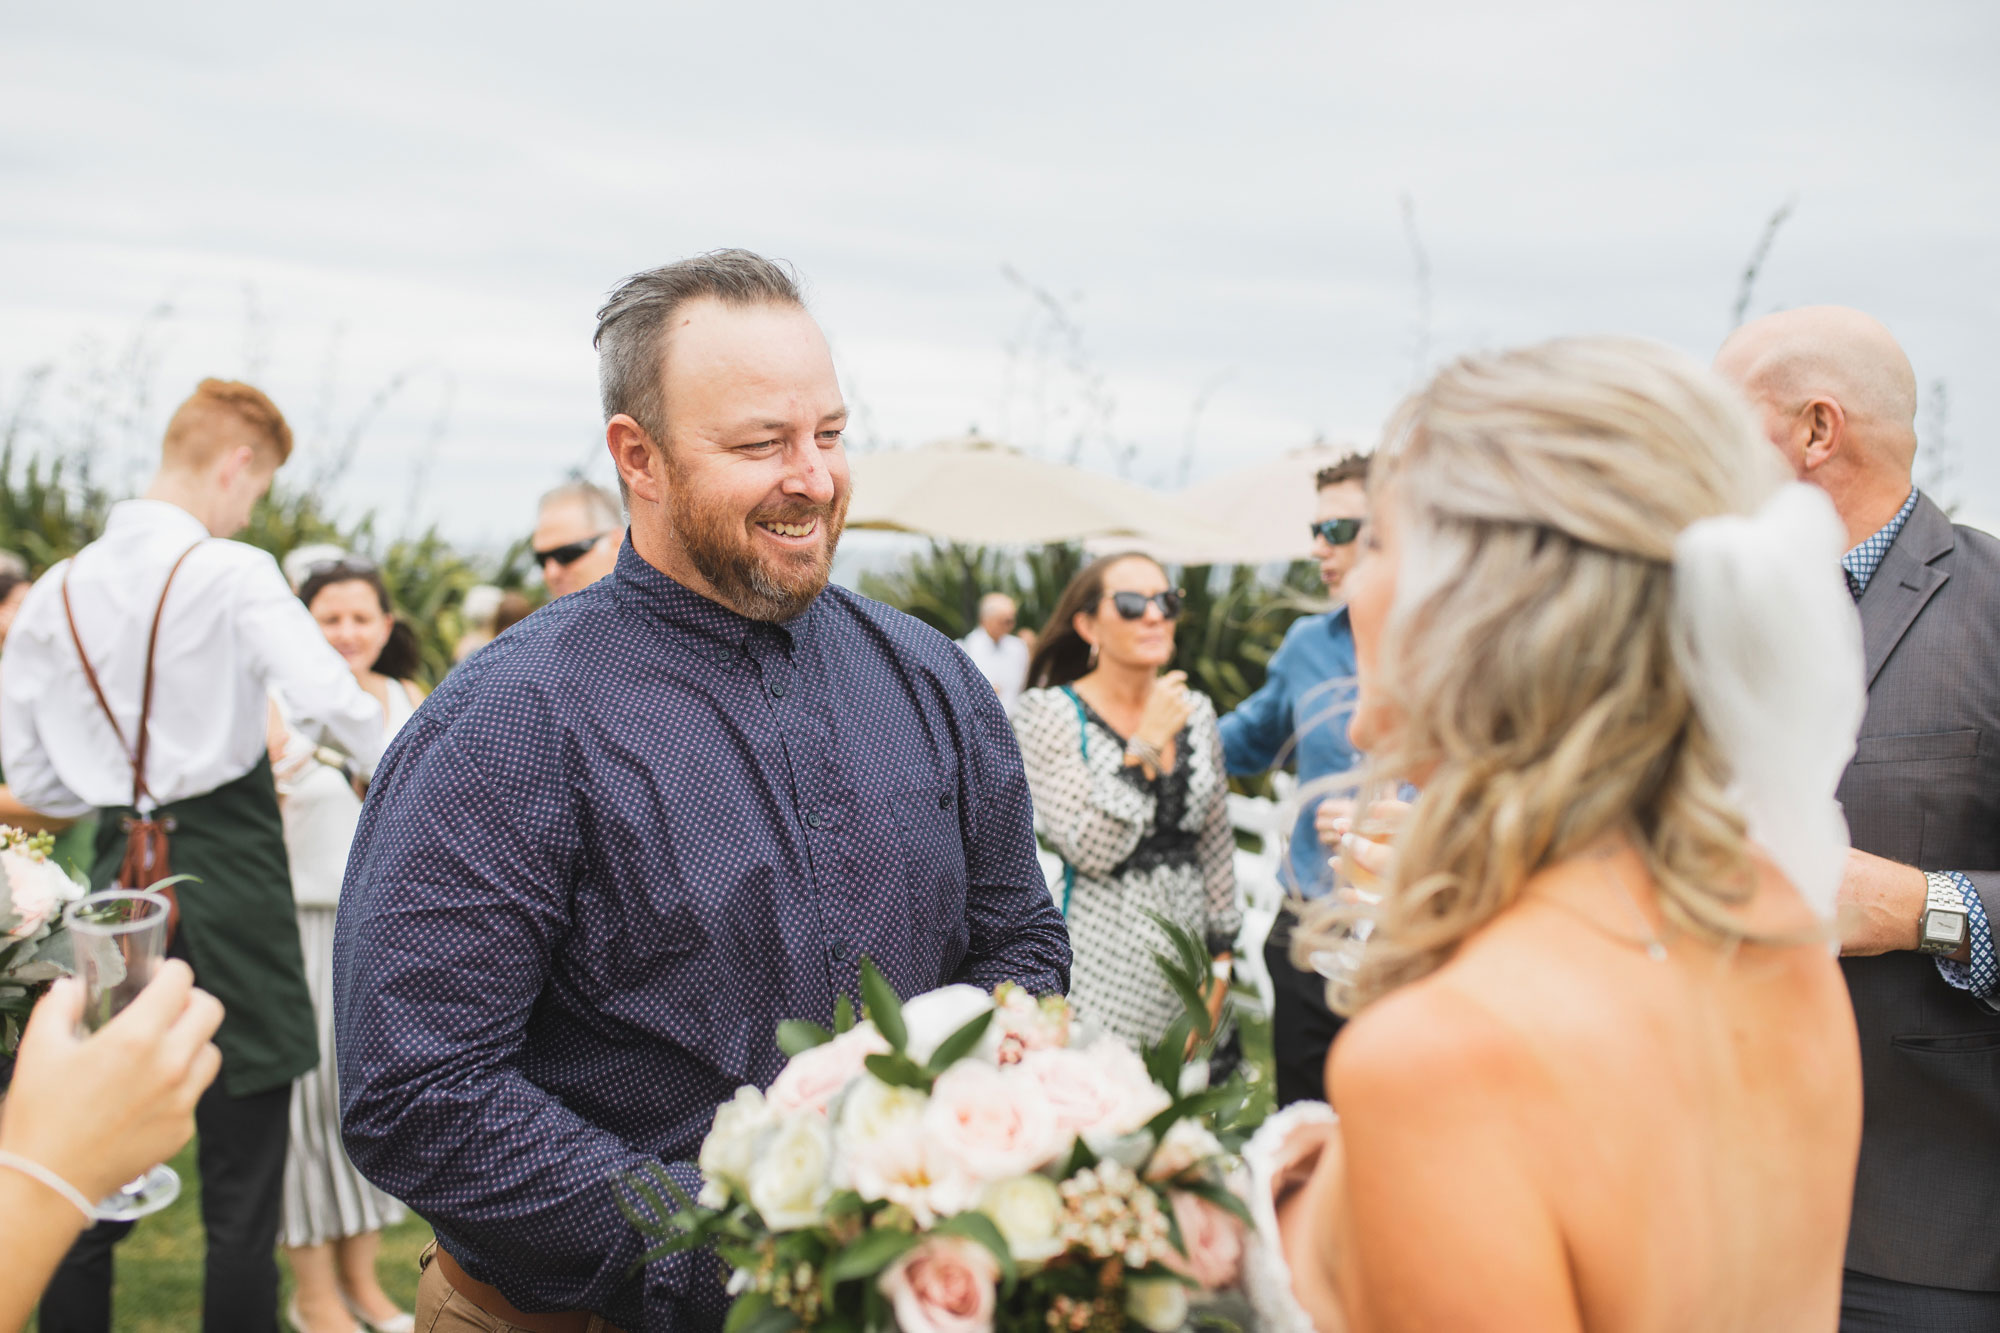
<point>602,862</point>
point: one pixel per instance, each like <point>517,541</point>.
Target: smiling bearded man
<point>623,841</point>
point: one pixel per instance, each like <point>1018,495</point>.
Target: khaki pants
<point>443,1310</point>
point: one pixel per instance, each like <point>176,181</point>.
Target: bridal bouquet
<point>34,949</point>
<point>969,1162</point>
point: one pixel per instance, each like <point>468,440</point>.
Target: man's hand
<point>1880,905</point>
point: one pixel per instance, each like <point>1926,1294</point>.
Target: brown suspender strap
<point>146,860</point>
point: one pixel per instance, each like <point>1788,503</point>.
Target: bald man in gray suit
<point>1838,398</point>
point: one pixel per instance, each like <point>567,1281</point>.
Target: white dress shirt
<point>1004,663</point>
<point>233,634</point>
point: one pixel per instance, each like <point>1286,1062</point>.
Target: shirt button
<point>944,800</point>
<point>841,949</point>
<point>777,689</point>
<point>814,819</point>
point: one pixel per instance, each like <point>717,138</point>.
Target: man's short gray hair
<point>598,505</point>
<point>630,323</point>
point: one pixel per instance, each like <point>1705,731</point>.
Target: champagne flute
<point>120,940</point>
<point>1358,890</point>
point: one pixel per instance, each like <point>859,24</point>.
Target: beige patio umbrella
<point>1262,511</point>
<point>982,493</point>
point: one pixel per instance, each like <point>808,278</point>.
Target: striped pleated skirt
<point>326,1199</point>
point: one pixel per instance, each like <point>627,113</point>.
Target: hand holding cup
<point>100,1109</point>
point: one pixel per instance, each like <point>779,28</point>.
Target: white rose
<point>1185,1144</point>
<point>789,1183</point>
<point>935,1015</point>
<point>884,1153</point>
<point>876,1113</point>
<point>1028,1210</point>
<point>1157,1303</point>
<point>731,1146</point>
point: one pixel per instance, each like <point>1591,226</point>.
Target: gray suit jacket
<point>1924,789</point>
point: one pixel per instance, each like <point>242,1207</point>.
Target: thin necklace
<point>1648,939</point>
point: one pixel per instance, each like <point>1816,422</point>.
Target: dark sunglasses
<point>1338,531</point>
<point>1132,605</point>
<point>569,553</point>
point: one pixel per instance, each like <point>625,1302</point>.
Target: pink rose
<point>944,1285</point>
<point>1025,1023</point>
<point>992,1123</point>
<point>1214,1241</point>
<point>36,891</point>
<point>814,1077</point>
<point>1100,1094</point>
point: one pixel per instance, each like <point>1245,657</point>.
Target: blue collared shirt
<point>1981,973</point>
<point>602,862</point>
<point>1301,713</point>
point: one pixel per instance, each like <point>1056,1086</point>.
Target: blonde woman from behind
<point>1602,1072</point>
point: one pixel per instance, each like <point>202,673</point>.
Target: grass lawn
<point>159,1265</point>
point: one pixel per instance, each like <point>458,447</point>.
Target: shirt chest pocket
<point>933,843</point>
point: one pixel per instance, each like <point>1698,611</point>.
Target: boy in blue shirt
<point>1301,714</point>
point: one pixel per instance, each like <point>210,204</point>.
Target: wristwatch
<point>1943,928</point>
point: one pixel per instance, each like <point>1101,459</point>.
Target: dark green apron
<point>238,926</point>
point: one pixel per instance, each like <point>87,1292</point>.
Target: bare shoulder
<point>1396,1051</point>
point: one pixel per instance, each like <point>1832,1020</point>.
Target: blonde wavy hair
<point>1528,658</point>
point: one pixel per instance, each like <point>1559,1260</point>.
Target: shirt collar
<point>638,583</point>
<point>156,515</point>
<point>1862,562</point>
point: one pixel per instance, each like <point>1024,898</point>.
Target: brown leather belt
<point>489,1299</point>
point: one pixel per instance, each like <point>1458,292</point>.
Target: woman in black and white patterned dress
<point>1125,765</point>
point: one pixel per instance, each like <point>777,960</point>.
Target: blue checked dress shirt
<point>1980,975</point>
<point>601,863</point>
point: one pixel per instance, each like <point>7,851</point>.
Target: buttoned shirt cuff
<point>1981,974</point>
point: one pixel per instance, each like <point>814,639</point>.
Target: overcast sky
<point>1174,231</point>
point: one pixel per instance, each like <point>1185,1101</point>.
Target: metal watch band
<point>1943,903</point>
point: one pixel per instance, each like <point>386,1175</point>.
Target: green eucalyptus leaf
<point>959,1043</point>
<point>899,1071</point>
<point>1165,1058</point>
<point>1222,1198</point>
<point>882,1007</point>
<point>772,1319</point>
<point>796,1035</point>
<point>873,1252</point>
<point>745,1308</point>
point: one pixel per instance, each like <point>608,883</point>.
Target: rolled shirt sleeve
<point>27,666</point>
<point>1016,934</point>
<point>287,652</point>
<point>1258,730</point>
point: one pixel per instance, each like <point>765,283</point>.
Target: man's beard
<point>719,545</point>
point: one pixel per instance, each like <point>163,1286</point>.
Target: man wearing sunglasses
<point>1300,714</point>
<point>578,531</point>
